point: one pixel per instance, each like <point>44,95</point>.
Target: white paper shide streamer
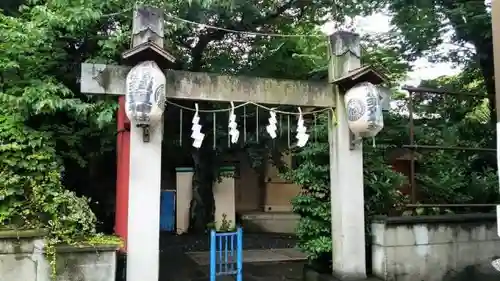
<point>302,136</point>
<point>145,94</point>
<point>271,128</point>
<point>197,135</point>
<point>364,110</point>
<point>233,126</point>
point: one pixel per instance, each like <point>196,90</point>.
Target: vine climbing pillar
<point>346,168</point>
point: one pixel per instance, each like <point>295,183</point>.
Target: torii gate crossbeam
<point>110,79</point>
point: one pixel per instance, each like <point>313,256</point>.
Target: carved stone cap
<point>148,51</point>
<point>366,73</point>
<point>147,38</point>
<point>148,18</point>
<point>342,42</point>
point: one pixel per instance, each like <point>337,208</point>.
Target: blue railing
<point>226,254</point>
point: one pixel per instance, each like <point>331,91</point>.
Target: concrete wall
<point>22,258</point>
<point>279,196</point>
<point>224,198</point>
<point>184,194</point>
<point>272,195</point>
<point>246,195</point>
<point>279,192</point>
<point>270,222</point>
<point>247,187</point>
<point>435,248</point>
<point>266,206</point>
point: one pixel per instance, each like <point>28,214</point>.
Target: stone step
<point>251,256</point>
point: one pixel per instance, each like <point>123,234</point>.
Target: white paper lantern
<point>145,96</point>
<point>364,110</point>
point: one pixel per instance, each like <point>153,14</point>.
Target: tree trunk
<point>202,206</point>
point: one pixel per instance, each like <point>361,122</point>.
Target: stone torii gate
<point>139,163</point>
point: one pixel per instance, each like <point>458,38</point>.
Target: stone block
<point>24,258</point>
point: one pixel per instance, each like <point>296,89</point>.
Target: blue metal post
<point>226,249</point>
<point>239,254</point>
<point>213,249</point>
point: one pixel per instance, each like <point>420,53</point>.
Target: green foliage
<point>445,178</point>
<point>456,176</point>
<point>225,225</point>
<point>419,28</point>
<point>32,194</point>
<point>442,176</point>
<point>382,194</point>
<point>46,124</point>
<point>313,203</point>
<point>30,182</point>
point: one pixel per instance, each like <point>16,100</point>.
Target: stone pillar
<point>143,245</point>
<point>495,25</point>
<point>144,205</point>
<point>184,181</point>
<point>346,170</point>
<point>224,197</point>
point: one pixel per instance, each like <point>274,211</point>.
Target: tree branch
<point>204,40</point>
<point>484,46</point>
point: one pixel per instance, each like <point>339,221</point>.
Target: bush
<point>30,185</point>
<point>313,203</point>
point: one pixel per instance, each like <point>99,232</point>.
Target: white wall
<point>435,248</point>
<point>224,197</point>
<point>184,194</point>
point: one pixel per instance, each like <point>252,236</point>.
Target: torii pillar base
<point>143,245</point>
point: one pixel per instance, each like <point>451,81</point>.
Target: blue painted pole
<point>233,264</point>
<point>239,254</point>
<point>213,261</point>
<point>226,260</point>
<point>219,249</point>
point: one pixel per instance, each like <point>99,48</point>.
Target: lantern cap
<point>358,75</point>
<point>148,51</point>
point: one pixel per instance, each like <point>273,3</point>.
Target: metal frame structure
<point>413,146</point>
<point>226,254</point>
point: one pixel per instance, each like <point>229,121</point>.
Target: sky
<point>423,69</point>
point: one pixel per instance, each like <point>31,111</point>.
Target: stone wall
<point>432,248</point>
<point>270,222</point>
<point>22,258</point>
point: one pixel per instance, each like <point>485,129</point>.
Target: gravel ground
<point>251,241</point>
<point>175,265</point>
